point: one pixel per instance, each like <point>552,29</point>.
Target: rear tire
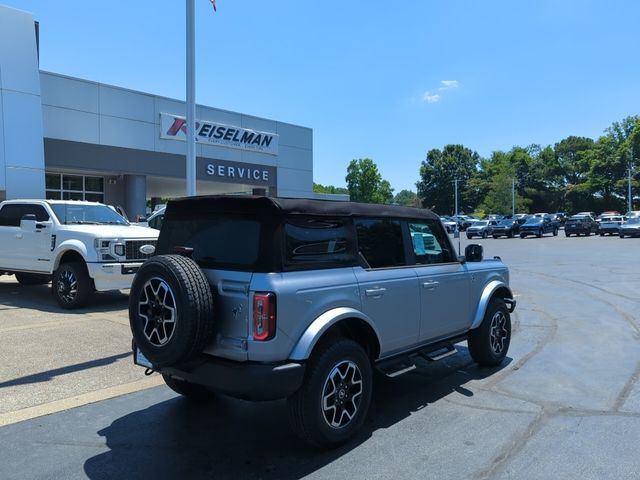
<point>32,279</point>
<point>333,401</point>
<point>489,343</point>
<point>71,286</point>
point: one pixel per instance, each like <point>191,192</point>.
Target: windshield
<point>533,221</point>
<point>69,214</point>
<point>505,222</point>
<point>481,223</point>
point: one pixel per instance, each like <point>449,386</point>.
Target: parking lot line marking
<point>51,324</point>
<point>79,400</point>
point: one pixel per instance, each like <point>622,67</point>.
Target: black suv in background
<point>508,227</point>
<point>580,225</point>
<point>538,226</point>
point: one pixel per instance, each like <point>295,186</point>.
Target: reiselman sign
<point>173,127</point>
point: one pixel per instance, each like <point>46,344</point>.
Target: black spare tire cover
<point>171,310</point>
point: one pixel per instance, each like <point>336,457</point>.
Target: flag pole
<point>191,99</point>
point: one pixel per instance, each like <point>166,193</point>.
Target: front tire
<point>71,286</point>
<point>555,232</point>
<point>484,234</point>
<point>333,401</point>
<point>489,343</point>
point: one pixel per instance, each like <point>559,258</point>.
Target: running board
<point>439,354</point>
<point>397,366</point>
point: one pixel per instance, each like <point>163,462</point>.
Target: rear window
<point>221,242</point>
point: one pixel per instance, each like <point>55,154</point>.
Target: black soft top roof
<point>192,207</point>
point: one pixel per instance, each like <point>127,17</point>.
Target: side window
<point>317,242</point>
<point>37,210</point>
<point>156,222</point>
<point>11,214</point>
<point>430,243</point>
<point>380,242</point>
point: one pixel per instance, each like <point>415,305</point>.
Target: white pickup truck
<point>80,246</point>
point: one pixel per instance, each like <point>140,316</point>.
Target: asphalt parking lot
<point>566,403</point>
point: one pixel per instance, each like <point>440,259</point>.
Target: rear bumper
<point>246,380</point>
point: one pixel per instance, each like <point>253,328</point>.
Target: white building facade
<point>64,137</point>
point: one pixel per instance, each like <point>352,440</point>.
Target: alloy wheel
<point>498,332</point>
<point>67,286</point>
<point>341,394</point>
<point>157,309</point>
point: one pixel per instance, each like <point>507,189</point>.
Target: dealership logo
<point>175,128</point>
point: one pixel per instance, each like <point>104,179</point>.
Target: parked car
<point>610,225</point>
<point>449,224</point>
<point>263,298</point>
<point>631,228</point>
<point>508,228</point>
<point>481,228</point>
<point>538,226</point>
<point>79,246</point>
<point>632,213</point>
<point>561,217</point>
<point>464,221</point>
<point>588,214</point>
<point>605,215</point>
<point>580,225</point>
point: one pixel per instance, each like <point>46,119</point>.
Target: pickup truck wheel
<point>72,286</point>
<point>334,399</point>
<point>171,310</point>
<point>32,278</point>
<point>188,389</point>
<point>488,344</point>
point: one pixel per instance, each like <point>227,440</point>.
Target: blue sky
<point>384,80</point>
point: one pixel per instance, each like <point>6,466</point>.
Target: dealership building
<point>69,138</point>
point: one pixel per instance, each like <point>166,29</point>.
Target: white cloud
<point>446,84</point>
<point>431,97</point>
<point>434,96</point>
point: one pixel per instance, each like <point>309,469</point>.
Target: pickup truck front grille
<point>132,249</point>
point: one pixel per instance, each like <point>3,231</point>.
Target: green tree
<point>437,174</point>
<point>406,198</point>
<point>319,188</point>
<point>365,184</point>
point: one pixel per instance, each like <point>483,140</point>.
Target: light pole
<point>513,198</point>
<point>630,199</point>
<point>455,183</point>
<point>191,98</point>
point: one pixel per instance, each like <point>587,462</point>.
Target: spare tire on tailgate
<point>171,310</point>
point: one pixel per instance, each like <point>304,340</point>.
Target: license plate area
<point>140,359</point>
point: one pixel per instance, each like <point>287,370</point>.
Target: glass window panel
<point>380,242</point>
<point>54,195</point>
<point>94,197</point>
<point>72,182</point>
<point>52,181</point>
<point>94,184</point>
<point>72,195</point>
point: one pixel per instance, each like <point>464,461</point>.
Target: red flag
<point>213,3</point>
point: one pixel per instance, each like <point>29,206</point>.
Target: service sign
<point>173,127</point>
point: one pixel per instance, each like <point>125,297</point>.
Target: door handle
<point>18,235</point>
<point>430,284</point>
<point>375,292</point>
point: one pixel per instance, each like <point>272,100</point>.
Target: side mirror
<point>473,253</point>
<point>28,222</point>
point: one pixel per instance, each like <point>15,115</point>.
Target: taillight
<point>264,316</point>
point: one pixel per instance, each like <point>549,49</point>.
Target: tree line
<point>575,174</point>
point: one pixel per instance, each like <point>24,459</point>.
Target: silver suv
<point>263,298</point>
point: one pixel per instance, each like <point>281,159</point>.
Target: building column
<point>21,135</point>
<point>135,196</point>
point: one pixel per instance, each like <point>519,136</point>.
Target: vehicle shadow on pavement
<point>39,297</point>
<point>51,374</point>
<point>228,438</point>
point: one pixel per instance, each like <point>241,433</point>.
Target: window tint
<point>11,214</point>
<point>217,243</point>
<point>319,242</point>
<point>380,242</point>
<point>430,243</point>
